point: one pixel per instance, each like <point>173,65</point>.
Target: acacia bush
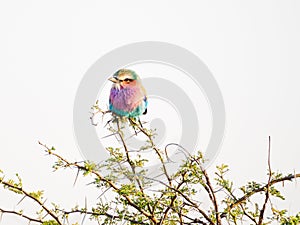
<point>190,195</point>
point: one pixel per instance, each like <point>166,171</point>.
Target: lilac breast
<point>126,99</point>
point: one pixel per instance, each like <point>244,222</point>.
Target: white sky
<point>252,48</point>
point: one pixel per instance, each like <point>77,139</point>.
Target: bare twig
<point>97,110</point>
<point>267,195</point>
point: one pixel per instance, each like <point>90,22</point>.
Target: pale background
<point>251,47</point>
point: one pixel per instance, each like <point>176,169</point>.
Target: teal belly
<point>134,113</point>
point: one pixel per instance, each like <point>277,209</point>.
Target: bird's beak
<point>112,79</point>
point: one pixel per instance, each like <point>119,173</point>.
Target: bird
<point>127,97</point>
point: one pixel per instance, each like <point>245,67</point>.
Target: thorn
<point>109,135</point>
<point>76,178</point>
<point>140,123</point>
<point>108,122</point>
<point>103,193</point>
<point>21,200</point>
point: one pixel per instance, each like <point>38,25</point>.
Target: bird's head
<point>124,78</point>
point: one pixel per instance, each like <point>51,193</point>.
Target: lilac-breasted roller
<point>127,95</point>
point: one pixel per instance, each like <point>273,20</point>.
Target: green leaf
<point>50,222</point>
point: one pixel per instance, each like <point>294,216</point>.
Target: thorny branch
<point>103,179</point>
<point>30,196</point>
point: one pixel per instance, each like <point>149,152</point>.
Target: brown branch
<point>30,219</point>
<point>261,189</point>
<point>212,196</point>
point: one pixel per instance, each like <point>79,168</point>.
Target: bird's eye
<point>127,80</point>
